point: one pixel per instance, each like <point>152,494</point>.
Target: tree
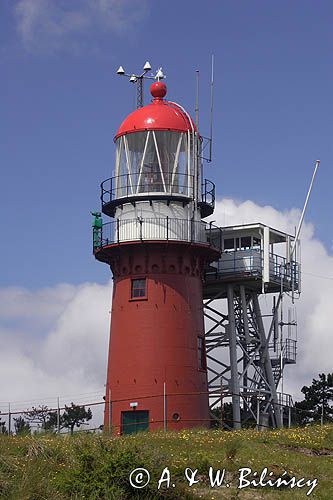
<point>3,429</point>
<point>75,416</point>
<point>47,419</point>
<point>316,405</point>
<point>227,417</point>
<point>52,422</point>
<point>21,426</point>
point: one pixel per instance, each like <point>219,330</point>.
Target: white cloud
<point>54,341</point>
<point>52,25</point>
<point>67,358</point>
<point>315,330</point>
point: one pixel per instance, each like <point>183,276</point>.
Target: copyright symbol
<point>139,478</point>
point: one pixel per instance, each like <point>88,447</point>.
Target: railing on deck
<point>128,185</point>
<point>208,193</point>
<point>155,229</point>
<point>140,186</point>
<point>249,262</point>
<point>288,348</point>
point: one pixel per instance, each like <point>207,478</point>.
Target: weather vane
<point>138,79</point>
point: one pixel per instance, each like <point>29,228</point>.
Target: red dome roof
<point>159,115</point>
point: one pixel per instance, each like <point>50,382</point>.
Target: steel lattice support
<point>238,358</point>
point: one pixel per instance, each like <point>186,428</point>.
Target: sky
<point>61,105</point>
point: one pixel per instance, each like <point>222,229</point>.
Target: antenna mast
<point>304,209</point>
<point>197,99</point>
<point>211,110</point>
<point>139,79</point>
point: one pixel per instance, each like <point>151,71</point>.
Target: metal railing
<point>250,262</point>
<point>288,349</point>
<point>285,351</point>
<point>136,185</point>
<point>159,399</point>
<point>238,262</point>
<point>155,229</point>
<point>208,193</point>
<point>280,270</point>
<point>129,185</point>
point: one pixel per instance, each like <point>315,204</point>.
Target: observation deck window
<point>241,243</point>
<point>229,244</point>
<point>246,243</point>
<point>256,243</point>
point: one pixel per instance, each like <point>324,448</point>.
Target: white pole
<point>289,416</point>
<point>304,208</point>
<point>9,420</point>
<point>109,410</point>
<point>164,407</point>
<point>221,403</point>
<point>58,415</point>
<point>197,99</point>
<point>211,111</point>
<point>258,411</point>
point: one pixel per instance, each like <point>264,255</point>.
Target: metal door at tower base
<point>134,421</point>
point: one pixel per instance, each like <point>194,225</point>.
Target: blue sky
<point>61,104</point>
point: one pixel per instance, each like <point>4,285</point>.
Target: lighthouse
<point>157,247</point>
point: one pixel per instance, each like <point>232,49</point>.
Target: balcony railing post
<point>117,230</point>
<point>102,193</point>
<point>167,228</point>
<point>140,222</point>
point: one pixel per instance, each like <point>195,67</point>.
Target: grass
<point>88,466</point>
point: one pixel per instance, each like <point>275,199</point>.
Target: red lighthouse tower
<point>157,247</point>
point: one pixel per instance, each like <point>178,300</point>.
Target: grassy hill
<point>88,466</point>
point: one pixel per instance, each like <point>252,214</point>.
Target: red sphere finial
<point>158,90</point>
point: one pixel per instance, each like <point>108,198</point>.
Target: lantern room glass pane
<point>167,143</point>
<point>151,178</point>
<point>121,170</point>
<point>181,181</point>
<point>153,161</point>
<point>135,146</point>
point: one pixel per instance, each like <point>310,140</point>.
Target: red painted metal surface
<point>154,339</point>
<point>159,115</point>
<point>158,90</point>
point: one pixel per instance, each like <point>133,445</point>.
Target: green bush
<point>100,469</point>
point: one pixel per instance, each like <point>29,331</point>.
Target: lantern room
<point>158,157</point>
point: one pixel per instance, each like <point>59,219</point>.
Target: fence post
<point>9,420</point>
<point>289,416</point>
<point>110,419</point>
<point>222,404</point>
<point>164,407</point>
<point>58,415</point>
<point>258,412</point>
